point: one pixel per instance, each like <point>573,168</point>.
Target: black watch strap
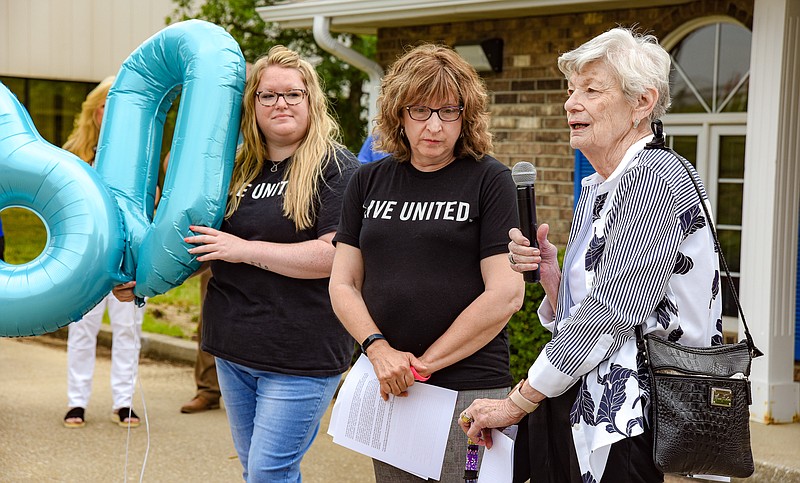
<point>369,340</point>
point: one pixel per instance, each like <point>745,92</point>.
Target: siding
<point>84,40</point>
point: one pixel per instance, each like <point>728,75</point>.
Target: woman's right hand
<point>392,367</point>
<point>527,258</point>
<point>124,292</point>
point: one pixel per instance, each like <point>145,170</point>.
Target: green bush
<point>526,336</point>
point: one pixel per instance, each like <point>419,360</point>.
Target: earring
<point>636,123</point>
<point>402,132</point>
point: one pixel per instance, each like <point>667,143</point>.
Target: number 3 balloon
<point>81,261</point>
<point>99,223</point>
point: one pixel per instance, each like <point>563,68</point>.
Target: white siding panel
<point>83,40</point>
<point>18,26</point>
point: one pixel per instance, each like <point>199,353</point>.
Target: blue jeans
<point>274,418</point>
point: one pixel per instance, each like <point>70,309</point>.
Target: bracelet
<point>369,340</point>
<point>521,401</point>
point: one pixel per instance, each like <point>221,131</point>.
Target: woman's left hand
<point>216,245</point>
<point>484,414</point>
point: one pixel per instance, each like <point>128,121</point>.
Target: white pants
<point>126,329</point>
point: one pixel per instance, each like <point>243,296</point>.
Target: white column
<point>771,201</point>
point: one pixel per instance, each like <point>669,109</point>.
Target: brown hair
<point>432,72</point>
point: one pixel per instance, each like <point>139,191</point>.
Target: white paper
<point>407,432</point>
<point>497,465</point>
<point>710,477</point>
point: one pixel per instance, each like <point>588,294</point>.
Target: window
<point>51,104</point>
<point>709,71</point>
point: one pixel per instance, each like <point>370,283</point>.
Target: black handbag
<point>700,396</point>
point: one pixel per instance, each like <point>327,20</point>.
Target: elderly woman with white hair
<point>637,256</point>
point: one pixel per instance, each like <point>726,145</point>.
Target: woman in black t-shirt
<point>267,317</point>
<point>420,276</point>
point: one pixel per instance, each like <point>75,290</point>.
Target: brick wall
<point>527,97</point>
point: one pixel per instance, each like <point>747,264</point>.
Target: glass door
<point>717,152</point>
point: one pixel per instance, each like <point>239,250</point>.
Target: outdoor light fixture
<point>485,56</point>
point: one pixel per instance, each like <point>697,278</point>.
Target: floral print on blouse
<point>644,255</point>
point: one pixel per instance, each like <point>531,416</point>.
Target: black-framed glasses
<point>446,113</point>
<point>270,98</point>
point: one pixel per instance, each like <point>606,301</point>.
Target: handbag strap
<point>658,143</point>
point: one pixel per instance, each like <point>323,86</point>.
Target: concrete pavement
<point>34,446</point>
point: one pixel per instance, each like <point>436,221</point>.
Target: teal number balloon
<point>83,254</point>
<point>204,63</point>
<point>100,224</point>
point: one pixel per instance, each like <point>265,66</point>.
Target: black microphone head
<point>523,174</point>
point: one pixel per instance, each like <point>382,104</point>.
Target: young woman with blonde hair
<point>267,316</point>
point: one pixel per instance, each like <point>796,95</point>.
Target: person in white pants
<point>126,328</point>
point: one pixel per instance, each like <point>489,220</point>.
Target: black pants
<point>544,451</point>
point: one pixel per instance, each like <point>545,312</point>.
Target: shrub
<point>526,336</point>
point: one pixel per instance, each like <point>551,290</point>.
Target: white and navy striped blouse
<point>639,253</point>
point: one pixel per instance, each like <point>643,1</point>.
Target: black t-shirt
<point>422,236</point>
<point>267,321</point>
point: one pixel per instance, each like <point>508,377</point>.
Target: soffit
<point>367,16</point>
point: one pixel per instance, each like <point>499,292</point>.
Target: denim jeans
<point>274,418</point>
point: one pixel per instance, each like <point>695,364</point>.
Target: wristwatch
<point>369,340</point>
<point>521,401</point>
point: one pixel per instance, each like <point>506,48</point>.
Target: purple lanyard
<point>471,464</point>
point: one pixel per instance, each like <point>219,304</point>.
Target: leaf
<point>692,220</point>
<point>599,202</point>
<point>613,396</point>
<point>714,288</point>
<point>663,311</point>
<point>583,407</point>
<point>717,338</point>
<point>675,335</point>
<point>683,264</point>
<point>633,423</point>
<point>594,252</point>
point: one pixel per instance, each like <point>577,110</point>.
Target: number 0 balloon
<point>205,60</point>
<point>100,223</point>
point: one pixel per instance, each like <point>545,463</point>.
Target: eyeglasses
<point>270,98</point>
<point>446,113</point>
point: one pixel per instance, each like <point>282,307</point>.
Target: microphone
<point>524,174</point>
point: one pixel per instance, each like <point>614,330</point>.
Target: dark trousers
<point>205,367</point>
<point>544,452</point>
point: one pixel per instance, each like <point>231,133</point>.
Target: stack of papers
<point>407,432</point>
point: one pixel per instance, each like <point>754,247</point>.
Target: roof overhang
<point>367,16</point>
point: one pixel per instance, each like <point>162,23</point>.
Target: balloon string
<point>138,381</point>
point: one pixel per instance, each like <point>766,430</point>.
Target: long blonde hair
<point>82,141</point>
<point>304,170</point>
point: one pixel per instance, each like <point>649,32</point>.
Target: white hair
<point>637,61</point>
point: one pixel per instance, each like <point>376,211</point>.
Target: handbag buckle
<point>721,397</point>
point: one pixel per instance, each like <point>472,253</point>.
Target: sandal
<point>77,414</point>
<point>125,418</point>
